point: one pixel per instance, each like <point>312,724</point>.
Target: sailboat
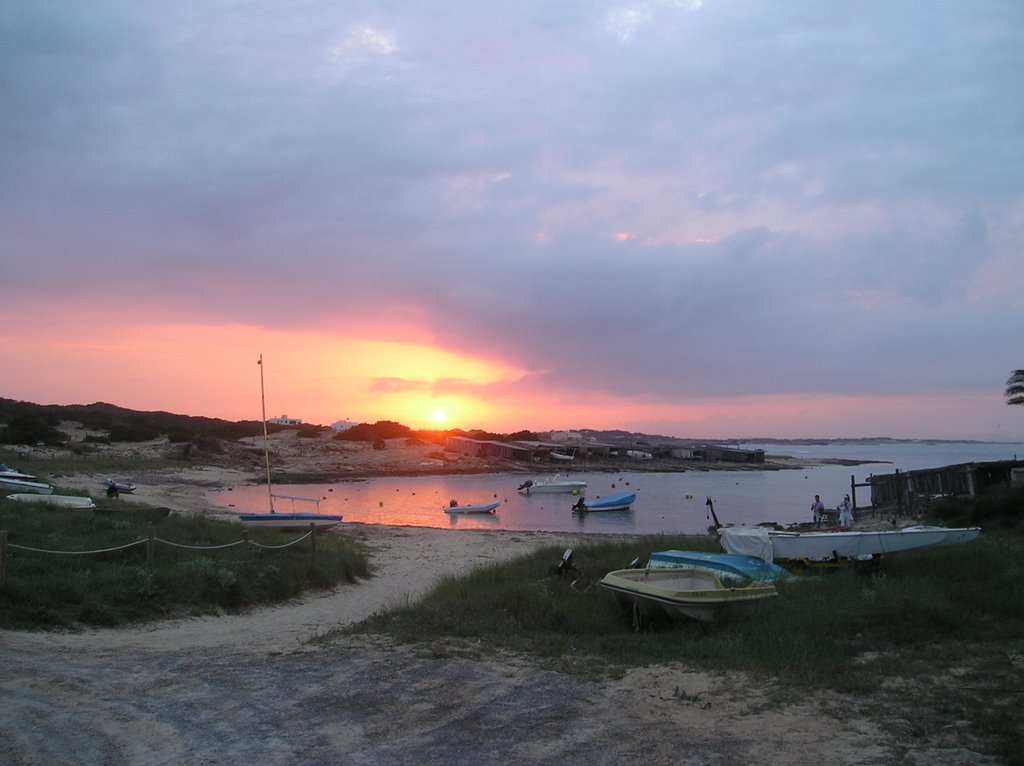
<point>291,520</point>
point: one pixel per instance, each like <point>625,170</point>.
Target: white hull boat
<point>6,472</point>
<point>681,592</point>
<point>481,508</point>
<point>59,501</point>
<point>774,545</point>
<point>555,485</point>
<point>21,485</point>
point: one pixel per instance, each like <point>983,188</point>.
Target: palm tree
<point>1015,388</point>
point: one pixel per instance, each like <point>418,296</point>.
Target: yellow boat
<point>681,592</point>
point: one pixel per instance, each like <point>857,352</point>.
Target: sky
<point>693,218</point>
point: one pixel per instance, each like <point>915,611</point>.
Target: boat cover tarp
<point>747,567</point>
<point>745,541</point>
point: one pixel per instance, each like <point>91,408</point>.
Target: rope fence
<point>150,542</point>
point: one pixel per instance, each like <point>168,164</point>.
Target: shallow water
<point>666,502</point>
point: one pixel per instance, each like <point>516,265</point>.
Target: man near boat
<point>817,511</point>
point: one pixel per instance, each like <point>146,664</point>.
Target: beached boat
<point>122,487</point>
<point>554,485</point>
<point>776,545</point>
<point>454,507</point>
<point>6,472</point>
<point>22,485</point>
<point>60,501</point>
<point>727,566</point>
<point>274,519</point>
<point>620,501</point>
<point>681,592</point>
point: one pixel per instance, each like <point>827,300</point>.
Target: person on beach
<point>845,513</point>
<point>817,510</point>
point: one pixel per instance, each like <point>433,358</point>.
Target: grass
<point>934,636</point>
<point>47,591</point>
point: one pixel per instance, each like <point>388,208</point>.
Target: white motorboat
<point>554,485</point>
<point>681,592</point>
<point>778,545</point>
<point>6,472</point>
<point>59,501</point>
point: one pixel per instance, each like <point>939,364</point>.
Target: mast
<point>266,445</point>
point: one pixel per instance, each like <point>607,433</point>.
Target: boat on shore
<point>6,472</point>
<point>25,486</point>
<point>780,545</point>
<point>454,507</point>
<point>554,485</point>
<point>58,501</point>
<point>284,521</point>
<point>726,566</point>
<point>681,592</point>
<point>119,487</point>
<point>620,501</point>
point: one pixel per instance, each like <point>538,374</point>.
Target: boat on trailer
<point>680,592</point>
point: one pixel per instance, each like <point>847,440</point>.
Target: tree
<point>1015,388</point>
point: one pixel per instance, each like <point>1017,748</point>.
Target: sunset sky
<point>697,218</point>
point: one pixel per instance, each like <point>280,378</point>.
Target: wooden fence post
<point>149,545</point>
<point>3,557</point>
<point>312,542</point>
<point>245,545</point>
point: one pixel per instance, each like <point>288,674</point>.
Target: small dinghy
<point>454,507</point>
<point>620,501</point>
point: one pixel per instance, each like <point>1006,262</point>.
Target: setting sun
<point>439,416</point>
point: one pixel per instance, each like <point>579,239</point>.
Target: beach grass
<point>198,566</point>
<point>933,634</point>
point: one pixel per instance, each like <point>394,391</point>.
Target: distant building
<point>284,420</point>
<point>343,425</point>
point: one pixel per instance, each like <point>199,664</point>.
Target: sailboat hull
<point>290,521</point>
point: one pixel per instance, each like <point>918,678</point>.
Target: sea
<point>667,503</point>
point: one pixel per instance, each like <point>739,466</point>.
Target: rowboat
<point>481,508</point>
<point>59,501</point>
<point>25,486</point>
<point>681,592</point>
<point>121,487</point>
<point>777,545</point>
<point>729,567</point>
<point>552,486</point>
<point>620,501</point>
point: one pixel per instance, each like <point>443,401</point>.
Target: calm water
<point>666,502</point>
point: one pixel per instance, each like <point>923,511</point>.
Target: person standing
<point>845,513</point>
<point>817,510</point>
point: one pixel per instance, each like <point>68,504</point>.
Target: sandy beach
<point>253,689</point>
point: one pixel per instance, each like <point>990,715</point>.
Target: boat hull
<point>681,592</point>
<point>620,502</point>
<point>59,501</point>
<point>726,566</point>
<point>289,521</point>
<point>552,487</point>
<point>483,508</point>
<point>832,546</point>
<point>23,486</point>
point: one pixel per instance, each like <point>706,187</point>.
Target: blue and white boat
<point>728,566</point>
<point>620,501</point>
<point>454,507</point>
